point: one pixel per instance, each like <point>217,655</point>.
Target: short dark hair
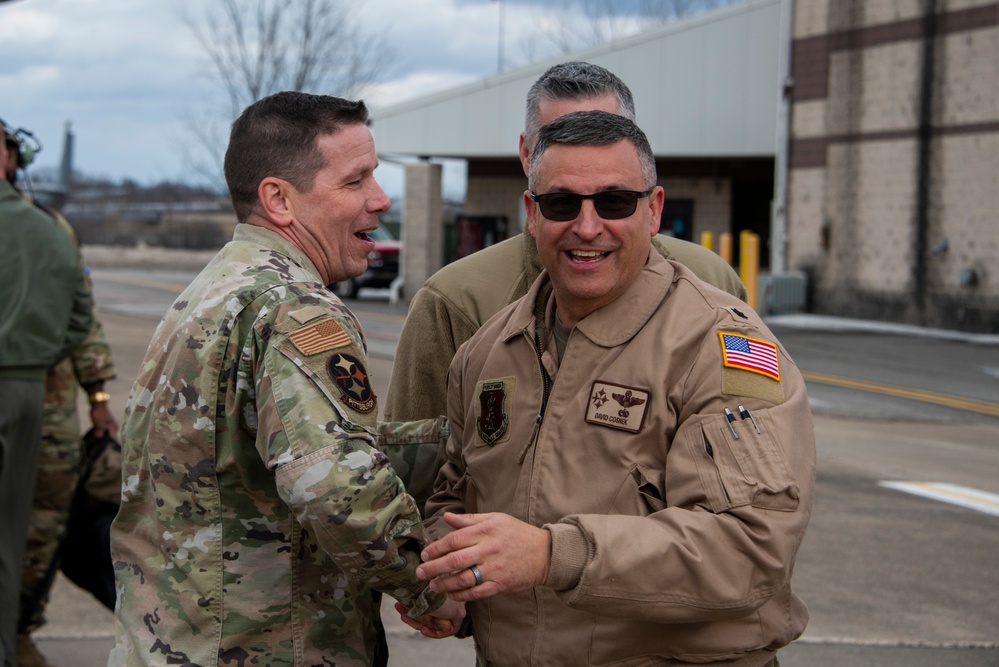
<point>276,136</point>
<point>593,128</point>
<point>574,80</point>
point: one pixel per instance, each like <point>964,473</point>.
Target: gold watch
<point>99,397</point>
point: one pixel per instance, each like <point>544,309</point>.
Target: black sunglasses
<point>610,204</point>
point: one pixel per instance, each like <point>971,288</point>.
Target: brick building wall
<point>712,203</point>
<point>497,195</point>
<point>893,173</point>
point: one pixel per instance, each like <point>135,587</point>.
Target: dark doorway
<point>751,199</point>
<point>678,219</point>
<point>475,232</point>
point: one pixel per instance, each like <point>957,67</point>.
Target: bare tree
<point>584,23</point>
<point>669,10</point>
<point>258,47</point>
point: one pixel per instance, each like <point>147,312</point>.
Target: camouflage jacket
<point>91,359</point>
<point>89,362</point>
<point>256,512</point>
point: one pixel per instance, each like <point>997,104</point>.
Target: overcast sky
<point>128,74</point>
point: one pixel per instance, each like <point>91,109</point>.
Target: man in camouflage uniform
<point>257,513</point>
<point>60,458</point>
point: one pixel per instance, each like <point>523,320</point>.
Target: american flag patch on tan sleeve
<point>320,337</point>
<point>750,354</point>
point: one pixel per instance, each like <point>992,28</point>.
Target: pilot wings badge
<point>619,407</point>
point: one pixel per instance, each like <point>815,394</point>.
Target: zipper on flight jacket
<point>546,384</point>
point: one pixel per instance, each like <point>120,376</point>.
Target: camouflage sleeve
<point>452,482</point>
<point>416,460</point>
<point>338,484</point>
<point>82,313</point>
<point>92,358</point>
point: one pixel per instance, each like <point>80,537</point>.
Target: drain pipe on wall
<point>785,85</point>
<point>923,166</point>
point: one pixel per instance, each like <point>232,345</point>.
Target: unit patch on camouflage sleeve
<point>320,337</point>
<point>352,380</point>
<point>749,354</point>
<point>617,407</point>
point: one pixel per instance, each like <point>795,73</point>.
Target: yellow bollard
<point>725,247</point>
<point>749,264</point>
<point>708,240</point>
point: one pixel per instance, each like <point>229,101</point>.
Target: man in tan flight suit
<point>631,463</point>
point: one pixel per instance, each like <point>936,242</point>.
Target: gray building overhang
<point>705,87</point>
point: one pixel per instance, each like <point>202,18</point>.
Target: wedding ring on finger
<point>478,575</point>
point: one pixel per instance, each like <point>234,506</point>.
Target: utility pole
<point>501,40</point>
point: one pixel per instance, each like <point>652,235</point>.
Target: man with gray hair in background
<point>459,298</point>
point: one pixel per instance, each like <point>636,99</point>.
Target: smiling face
<point>332,218</point>
<point>592,261</point>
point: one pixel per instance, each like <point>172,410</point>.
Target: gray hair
<point>593,128</point>
<point>574,81</point>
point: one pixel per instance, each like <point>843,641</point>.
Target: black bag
<point>85,555</point>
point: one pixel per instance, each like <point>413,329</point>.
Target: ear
<point>656,202</point>
<point>532,212</point>
<point>525,155</point>
<point>275,200</point>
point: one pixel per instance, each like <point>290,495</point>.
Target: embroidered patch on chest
<point>492,421</point>
<point>749,354</point>
<point>320,337</point>
<point>617,406</point>
<point>351,378</point>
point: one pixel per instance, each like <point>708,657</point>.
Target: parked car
<point>383,265</point>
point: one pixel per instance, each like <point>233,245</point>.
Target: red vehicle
<point>383,265</point>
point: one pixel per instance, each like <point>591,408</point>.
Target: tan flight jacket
<point>673,540</point>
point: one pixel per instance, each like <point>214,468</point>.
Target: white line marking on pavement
<point>962,496</point>
<point>899,643</point>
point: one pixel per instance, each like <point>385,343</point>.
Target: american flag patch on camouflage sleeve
<point>320,337</point>
<point>749,354</point>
